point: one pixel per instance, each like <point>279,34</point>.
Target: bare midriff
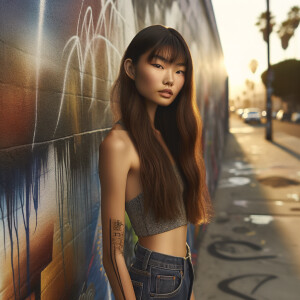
<point>172,242</point>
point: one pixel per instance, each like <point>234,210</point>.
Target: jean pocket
<point>165,282</point>
<point>137,273</point>
<point>138,289</point>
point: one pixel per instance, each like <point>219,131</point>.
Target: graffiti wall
<point>58,61</point>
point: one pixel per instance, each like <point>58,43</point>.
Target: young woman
<point>151,165</point>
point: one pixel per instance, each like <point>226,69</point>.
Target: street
<point>251,248</point>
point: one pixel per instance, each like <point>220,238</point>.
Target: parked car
<point>295,117</point>
<point>283,115</point>
<point>252,114</point>
<point>264,114</point>
<point>239,112</point>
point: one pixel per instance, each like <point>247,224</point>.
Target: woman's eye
<point>182,72</point>
<point>157,65</point>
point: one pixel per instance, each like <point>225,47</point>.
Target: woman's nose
<point>169,78</point>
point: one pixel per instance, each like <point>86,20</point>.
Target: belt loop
<point>188,255</point>
<point>146,259</point>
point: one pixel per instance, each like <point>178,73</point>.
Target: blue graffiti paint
<point>20,177</point>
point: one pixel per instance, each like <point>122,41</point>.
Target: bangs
<point>170,48</point>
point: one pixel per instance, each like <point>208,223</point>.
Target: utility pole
<point>270,77</point>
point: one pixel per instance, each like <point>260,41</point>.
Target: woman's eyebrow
<point>167,61</point>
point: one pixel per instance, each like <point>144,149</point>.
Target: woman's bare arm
<point>114,164</point>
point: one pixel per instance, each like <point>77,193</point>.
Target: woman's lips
<point>166,93</point>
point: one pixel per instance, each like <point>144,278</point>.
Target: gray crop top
<point>145,224</point>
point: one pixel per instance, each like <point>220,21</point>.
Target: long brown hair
<point>180,126</point>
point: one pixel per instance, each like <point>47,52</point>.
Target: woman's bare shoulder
<point>116,144</point>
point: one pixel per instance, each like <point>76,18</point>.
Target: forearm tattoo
<point>117,231</point>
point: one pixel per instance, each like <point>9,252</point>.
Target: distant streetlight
<point>270,77</point>
<point>266,23</point>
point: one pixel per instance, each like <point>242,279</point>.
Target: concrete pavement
<point>251,250</point>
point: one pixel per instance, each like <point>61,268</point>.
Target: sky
<point>241,40</point>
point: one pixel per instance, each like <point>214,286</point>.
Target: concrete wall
<point>58,60</point>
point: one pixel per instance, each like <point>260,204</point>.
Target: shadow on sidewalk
<point>295,154</point>
<point>249,250</point>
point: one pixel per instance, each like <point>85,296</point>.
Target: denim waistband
<point>149,257</point>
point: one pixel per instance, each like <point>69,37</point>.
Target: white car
<point>252,115</point>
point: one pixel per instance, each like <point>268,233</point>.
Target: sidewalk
<point>251,250</point>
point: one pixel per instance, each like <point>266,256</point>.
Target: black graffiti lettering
<point>224,284</point>
<point>219,248</point>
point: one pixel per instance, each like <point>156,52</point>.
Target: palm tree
<point>285,32</point>
<point>294,16</point>
<point>253,67</point>
<point>288,27</point>
<point>262,24</point>
<point>266,23</point>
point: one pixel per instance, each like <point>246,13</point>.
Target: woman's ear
<point>129,68</point>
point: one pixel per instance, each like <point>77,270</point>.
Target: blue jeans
<point>159,276</point>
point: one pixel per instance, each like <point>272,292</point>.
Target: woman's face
<point>159,81</point>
